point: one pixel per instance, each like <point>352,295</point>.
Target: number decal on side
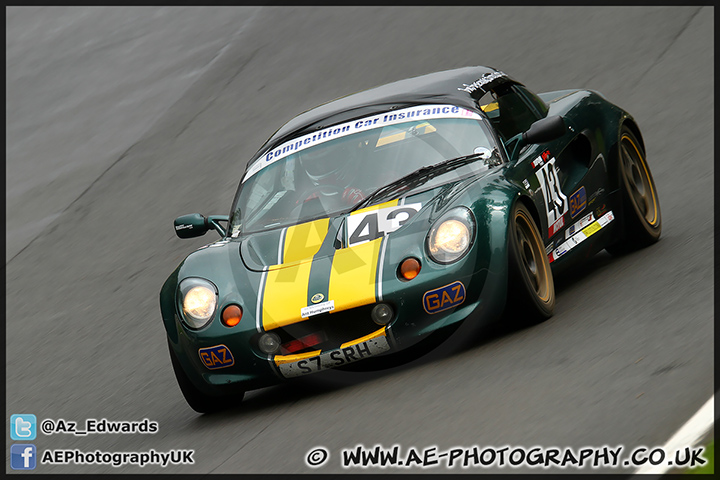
<point>366,226</point>
<point>556,203</point>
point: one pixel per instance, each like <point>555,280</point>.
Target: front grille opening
<point>326,331</point>
<point>308,342</point>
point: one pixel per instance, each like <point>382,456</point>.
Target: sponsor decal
<point>368,224</point>
<point>577,202</point>
<point>582,223</point>
<point>183,227</point>
<point>481,82</point>
<point>555,227</point>
<point>541,159</point>
<point>591,229</point>
<point>311,310</point>
<point>609,217</point>
<point>317,298</point>
<point>303,364</point>
<point>600,211</point>
<point>216,357</point>
<point>556,203</point>
<point>594,196</point>
<point>420,112</point>
<point>444,298</point>
<point>561,250</point>
<point>582,235</point>
<point>526,184</point>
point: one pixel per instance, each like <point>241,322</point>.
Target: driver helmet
<point>321,164</point>
<point>332,163</point>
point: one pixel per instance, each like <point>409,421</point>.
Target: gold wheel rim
<point>637,178</point>
<point>532,256</point>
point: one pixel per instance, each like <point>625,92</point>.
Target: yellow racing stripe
<point>304,240</point>
<point>286,288</point>
<point>285,294</point>
<point>353,275</point>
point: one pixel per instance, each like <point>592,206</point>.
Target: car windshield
<point>333,170</point>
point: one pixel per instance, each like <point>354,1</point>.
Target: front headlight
<point>199,301</point>
<point>451,235</point>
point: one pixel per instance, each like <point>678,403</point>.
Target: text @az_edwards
<point>95,426</point>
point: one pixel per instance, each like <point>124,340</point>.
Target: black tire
<point>531,289</point>
<point>641,219</point>
<point>199,401</point>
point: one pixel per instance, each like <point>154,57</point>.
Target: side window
<point>540,107</point>
<point>510,111</point>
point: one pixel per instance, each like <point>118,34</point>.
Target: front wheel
<point>198,400</point>
<point>531,290</point>
<point>641,220</point>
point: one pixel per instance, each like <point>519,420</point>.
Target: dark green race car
<point>365,225</point>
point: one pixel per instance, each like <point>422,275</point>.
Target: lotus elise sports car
<point>366,224</point>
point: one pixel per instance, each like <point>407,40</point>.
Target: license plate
<point>335,358</point>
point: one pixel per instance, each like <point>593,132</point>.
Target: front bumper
<point>483,301</point>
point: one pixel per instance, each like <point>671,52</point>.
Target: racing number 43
<point>363,227</point>
<point>556,203</point>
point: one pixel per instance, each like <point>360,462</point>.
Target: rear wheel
<point>641,220</point>
<point>198,400</point>
<point>531,290</point>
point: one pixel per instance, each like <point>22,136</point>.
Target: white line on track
<point>690,433</point>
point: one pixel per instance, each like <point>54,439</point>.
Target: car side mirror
<point>192,225</point>
<point>197,225</point>
<point>544,130</point>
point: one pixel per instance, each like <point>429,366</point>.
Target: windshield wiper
<point>422,175</point>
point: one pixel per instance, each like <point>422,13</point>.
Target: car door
<point>544,171</point>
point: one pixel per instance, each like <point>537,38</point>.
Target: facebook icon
<point>22,456</point>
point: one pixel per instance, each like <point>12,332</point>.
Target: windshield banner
<point>419,112</point>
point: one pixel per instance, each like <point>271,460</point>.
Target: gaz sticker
<point>443,298</point>
<point>364,226</point>
<point>556,203</point>
<point>578,202</point>
<point>216,357</point>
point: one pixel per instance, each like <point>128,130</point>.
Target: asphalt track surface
<point>161,122</point>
